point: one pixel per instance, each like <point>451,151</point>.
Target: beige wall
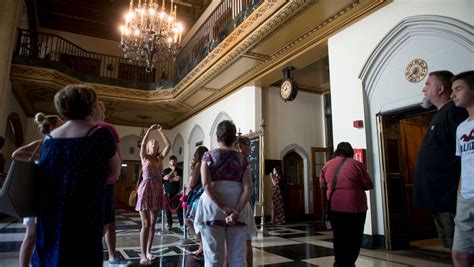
<point>295,124</point>
<point>11,15</point>
<point>91,44</point>
<point>391,91</point>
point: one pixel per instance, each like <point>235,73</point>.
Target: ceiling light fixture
<point>150,34</point>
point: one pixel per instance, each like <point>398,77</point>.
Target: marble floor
<point>299,244</point>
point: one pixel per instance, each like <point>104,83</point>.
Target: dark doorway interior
<point>293,178</point>
<point>402,134</point>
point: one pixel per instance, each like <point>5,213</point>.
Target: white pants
<point>213,240</point>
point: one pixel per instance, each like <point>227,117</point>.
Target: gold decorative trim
<point>256,56</point>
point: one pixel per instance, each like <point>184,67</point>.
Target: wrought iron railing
<point>223,20</point>
<point>52,51</point>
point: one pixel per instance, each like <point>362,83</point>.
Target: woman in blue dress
<point>75,161</point>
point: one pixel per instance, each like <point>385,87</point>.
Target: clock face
<point>285,89</point>
<point>416,70</point>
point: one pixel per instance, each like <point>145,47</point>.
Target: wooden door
<point>395,186</point>
<point>319,157</point>
<point>412,132</point>
<point>293,178</point>
<point>401,136</point>
<point>127,180</point>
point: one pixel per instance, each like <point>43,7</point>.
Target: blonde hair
<point>45,122</point>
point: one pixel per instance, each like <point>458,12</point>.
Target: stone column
<point>10,13</point>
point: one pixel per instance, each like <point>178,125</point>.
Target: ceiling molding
<point>256,56</point>
<point>170,107</point>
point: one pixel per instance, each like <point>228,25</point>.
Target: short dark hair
<point>467,77</point>
<point>75,101</point>
<point>173,157</point>
<point>444,77</point>
<point>344,149</point>
<point>226,132</point>
<point>242,140</point>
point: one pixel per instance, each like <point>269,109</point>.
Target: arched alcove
<point>308,194</point>
<point>128,147</point>
<point>444,43</point>
<point>212,134</point>
<point>196,138</point>
<point>178,147</point>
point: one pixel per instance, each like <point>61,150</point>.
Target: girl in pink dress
<point>150,190</point>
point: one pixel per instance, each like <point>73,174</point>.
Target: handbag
<point>327,210</point>
<point>19,196</point>
<point>132,199</point>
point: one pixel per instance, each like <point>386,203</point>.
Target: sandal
<point>197,252</point>
<point>150,257</point>
<point>145,262</point>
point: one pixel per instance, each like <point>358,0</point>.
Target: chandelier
<point>150,34</point>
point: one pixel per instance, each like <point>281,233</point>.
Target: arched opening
<point>393,113</point>
<point>293,179</point>
<point>220,117</point>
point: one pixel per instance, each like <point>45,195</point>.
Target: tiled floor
<point>289,245</point>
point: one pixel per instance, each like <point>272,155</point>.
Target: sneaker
<point>120,261</point>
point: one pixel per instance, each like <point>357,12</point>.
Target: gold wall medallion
<point>416,70</point>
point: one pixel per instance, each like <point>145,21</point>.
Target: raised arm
<point>24,153</point>
<point>167,147</point>
<point>144,142</point>
<point>274,179</point>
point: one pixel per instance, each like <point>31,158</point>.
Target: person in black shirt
<point>171,181</point>
<point>437,167</point>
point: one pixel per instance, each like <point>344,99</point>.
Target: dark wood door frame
<point>293,176</point>
<point>318,200</point>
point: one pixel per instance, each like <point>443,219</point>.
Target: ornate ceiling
<point>101,18</point>
<point>276,35</point>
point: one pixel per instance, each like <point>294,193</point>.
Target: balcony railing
<point>223,20</point>
<point>52,51</point>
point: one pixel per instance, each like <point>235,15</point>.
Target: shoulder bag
<point>19,196</point>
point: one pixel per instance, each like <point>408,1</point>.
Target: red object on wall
<point>358,123</point>
<point>360,155</point>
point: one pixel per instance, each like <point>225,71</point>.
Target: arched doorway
<point>293,178</point>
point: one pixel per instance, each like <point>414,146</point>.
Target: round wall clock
<point>288,90</point>
<point>416,70</point>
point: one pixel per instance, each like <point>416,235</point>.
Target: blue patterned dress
<point>71,220</point>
